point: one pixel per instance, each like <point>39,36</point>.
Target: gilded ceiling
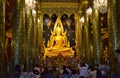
<point>75,1</point>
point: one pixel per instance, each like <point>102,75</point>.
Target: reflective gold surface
<point>96,37</point>
<point>112,30</point>
<point>58,43</point>
<point>28,44</point>
<point>87,38</point>
<point>60,8</point>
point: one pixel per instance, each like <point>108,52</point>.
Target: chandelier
<point>82,20</point>
<point>89,11</point>
<point>30,4</point>
<point>101,5</point>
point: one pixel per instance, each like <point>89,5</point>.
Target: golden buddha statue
<point>58,43</point>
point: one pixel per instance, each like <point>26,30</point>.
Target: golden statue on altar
<point>58,43</point>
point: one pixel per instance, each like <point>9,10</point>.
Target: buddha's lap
<point>65,49</point>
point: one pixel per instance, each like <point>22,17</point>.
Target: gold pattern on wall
<point>59,8</point>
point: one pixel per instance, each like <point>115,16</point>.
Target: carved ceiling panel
<point>76,1</point>
<point>59,8</point>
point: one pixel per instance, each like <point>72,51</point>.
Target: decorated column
<point>77,28</point>
<point>37,37</point>
<point>16,33</point>
<point>88,38</point>
<point>118,22</point>
<point>113,32</point>
<point>2,39</point>
<point>81,27</point>
<point>41,40</point>
<point>81,31</point>
<point>96,37</point>
<point>22,34</point>
<point>29,42</point>
<point>34,36</point>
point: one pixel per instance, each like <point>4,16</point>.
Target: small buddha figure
<point>58,40</point>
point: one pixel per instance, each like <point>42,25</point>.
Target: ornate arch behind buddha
<point>67,12</point>
<point>68,25</point>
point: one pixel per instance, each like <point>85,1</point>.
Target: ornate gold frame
<point>60,8</point>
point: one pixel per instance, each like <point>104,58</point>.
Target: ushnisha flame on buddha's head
<point>58,28</point>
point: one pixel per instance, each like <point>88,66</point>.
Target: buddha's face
<point>58,31</point>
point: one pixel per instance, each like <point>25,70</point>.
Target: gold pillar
<point>40,33</point>
<point>37,31</point>
<point>22,34</point>
<point>87,39</point>
<point>38,36</point>
<point>29,43</point>
<point>42,47</point>
<point>30,38</point>
<point>35,37</point>
<point>118,22</point>
<point>81,35</point>
<point>113,32</point>
<point>19,35</point>
<point>80,31</point>
<point>16,33</point>
<point>32,45</point>
<point>2,39</point>
<point>84,42</point>
<point>96,37</point>
<point>77,34</point>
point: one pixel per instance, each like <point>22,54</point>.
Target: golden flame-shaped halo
<point>58,26</point>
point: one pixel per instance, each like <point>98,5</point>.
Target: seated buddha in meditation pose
<point>58,41</point>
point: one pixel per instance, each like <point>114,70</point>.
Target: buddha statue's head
<point>58,28</point>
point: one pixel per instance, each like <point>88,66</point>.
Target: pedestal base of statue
<point>67,52</point>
